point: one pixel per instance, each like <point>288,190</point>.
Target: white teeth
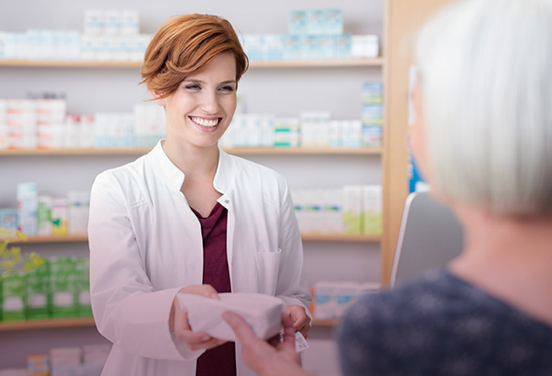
<point>205,122</point>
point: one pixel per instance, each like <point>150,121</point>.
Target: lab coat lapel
<point>222,183</point>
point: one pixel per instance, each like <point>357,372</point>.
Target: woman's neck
<point>193,161</point>
<point>508,257</point>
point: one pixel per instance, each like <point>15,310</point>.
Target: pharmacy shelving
<point>245,150</point>
<point>86,321</point>
<point>305,237</point>
<point>46,323</point>
<point>365,62</point>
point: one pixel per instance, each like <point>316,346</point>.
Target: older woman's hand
<point>178,321</point>
<point>263,358</point>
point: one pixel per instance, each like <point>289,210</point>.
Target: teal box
<point>343,47</point>
<point>334,21</point>
<point>326,47</point>
<point>309,50</point>
<point>8,221</point>
<point>316,21</point>
<point>297,22</point>
<point>292,47</point>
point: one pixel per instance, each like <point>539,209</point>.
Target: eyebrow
<point>202,82</point>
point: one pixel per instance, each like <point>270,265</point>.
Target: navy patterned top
<point>441,325</point>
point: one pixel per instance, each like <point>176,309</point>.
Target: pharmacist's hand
<point>299,318</point>
<point>263,358</point>
<point>178,321</point>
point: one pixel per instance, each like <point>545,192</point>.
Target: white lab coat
<point>146,244</point>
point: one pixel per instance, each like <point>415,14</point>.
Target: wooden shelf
<point>305,237</point>
<point>53,239</point>
<point>242,151</point>
<point>325,322</point>
<point>340,238</point>
<point>46,323</point>
<point>333,63</point>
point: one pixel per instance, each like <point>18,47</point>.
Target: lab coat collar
<point>174,177</point>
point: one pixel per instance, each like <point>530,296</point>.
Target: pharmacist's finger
<point>204,290</point>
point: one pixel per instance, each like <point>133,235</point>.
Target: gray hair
<point>486,71</point>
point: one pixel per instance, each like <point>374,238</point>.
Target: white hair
<point>486,71</point>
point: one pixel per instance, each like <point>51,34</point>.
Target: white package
<point>262,313</point>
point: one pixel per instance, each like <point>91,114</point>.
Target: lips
<point>206,122</point>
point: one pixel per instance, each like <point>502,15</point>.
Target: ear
<point>161,102</point>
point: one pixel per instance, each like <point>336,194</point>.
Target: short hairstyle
<point>486,75</point>
<point>186,45</point>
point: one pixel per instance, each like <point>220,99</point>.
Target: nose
<point>210,102</point>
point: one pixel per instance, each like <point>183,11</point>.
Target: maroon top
<point>220,361</point>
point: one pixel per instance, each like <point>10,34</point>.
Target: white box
<point>130,22</point>
<point>93,21</point>
<point>78,208</point>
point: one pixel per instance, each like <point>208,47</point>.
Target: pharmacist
<point>189,218</point>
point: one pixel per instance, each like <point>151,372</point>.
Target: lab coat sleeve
<point>127,309</point>
<point>292,286</point>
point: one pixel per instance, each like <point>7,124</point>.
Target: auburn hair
<point>186,45</point>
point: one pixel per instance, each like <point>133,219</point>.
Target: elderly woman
<point>483,138</point>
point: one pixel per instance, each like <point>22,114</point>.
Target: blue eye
<point>227,88</point>
<point>193,87</point>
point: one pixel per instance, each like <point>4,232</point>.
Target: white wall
<point>284,92</point>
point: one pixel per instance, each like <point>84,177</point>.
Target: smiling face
<point>201,109</point>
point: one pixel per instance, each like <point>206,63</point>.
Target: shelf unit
<point>243,151</point>
<point>87,321</point>
<point>303,64</point>
<point>46,323</point>
<point>305,237</point>
<point>253,64</point>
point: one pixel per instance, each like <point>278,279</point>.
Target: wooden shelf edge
<point>304,237</point>
<point>53,239</point>
<point>341,237</point>
<point>46,323</point>
<point>245,150</point>
<point>325,322</point>
<point>329,63</point>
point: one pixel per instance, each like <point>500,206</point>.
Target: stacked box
<point>44,215</point>
<point>352,209</point>
<point>372,210</point>
<point>37,282</point>
<point>27,208</point>
<point>38,365</point>
<point>78,208</point>
<point>12,295</point>
<point>62,287</point>
<point>332,211</point>
<point>59,215</point>
<point>8,222</point>
<point>325,303</point>
<point>21,124</point>
<point>82,283</point>
<point>372,114</point>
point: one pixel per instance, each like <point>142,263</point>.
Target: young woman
<point>483,137</point>
<point>187,217</point>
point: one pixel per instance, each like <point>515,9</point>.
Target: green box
<point>82,294</point>
<point>13,297</point>
<point>37,290</point>
<point>62,287</point>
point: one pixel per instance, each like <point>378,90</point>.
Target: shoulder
<point>121,178</point>
<point>255,174</point>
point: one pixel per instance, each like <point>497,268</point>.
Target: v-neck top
<point>221,360</point>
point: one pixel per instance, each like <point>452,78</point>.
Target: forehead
<point>222,68</point>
